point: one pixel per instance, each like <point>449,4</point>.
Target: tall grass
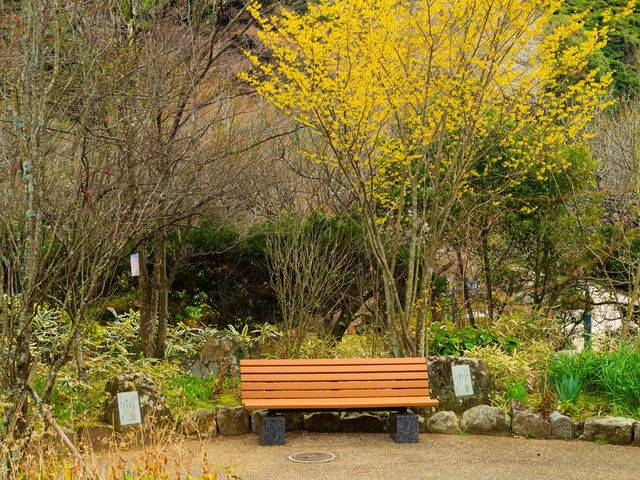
<point>614,374</point>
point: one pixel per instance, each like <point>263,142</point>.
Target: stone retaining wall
<point>479,420</point>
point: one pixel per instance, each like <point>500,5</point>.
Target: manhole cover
<point>312,457</point>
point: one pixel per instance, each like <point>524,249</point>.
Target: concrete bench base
<point>272,428</point>
<point>403,427</point>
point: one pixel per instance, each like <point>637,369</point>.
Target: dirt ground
<point>376,456</point>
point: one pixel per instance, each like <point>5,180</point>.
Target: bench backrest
<point>366,383</point>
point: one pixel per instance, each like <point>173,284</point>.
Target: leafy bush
<point>510,368</point>
<point>614,374</point>
<point>569,388</point>
<point>517,390</point>
<point>193,388</point>
<point>51,328</point>
<point>528,328</point>
<point>447,341</point>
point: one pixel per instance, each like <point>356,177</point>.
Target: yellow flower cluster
<point>408,94</point>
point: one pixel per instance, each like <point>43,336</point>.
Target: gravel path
<point>376,456</point>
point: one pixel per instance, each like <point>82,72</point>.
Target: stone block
<point>403,427</point>
<point>271,429</point>
<point>351,422</point>
<point>615,430</point>
<point>293,421</point>
<point>562,427</point>
<point>201,422</point>
<point>217,356</point>
<point>441,384</point>
<point>232,420</point>
<point>444,422</point>
<point>530,423</point>
<point>486,420</point>
<point>322,422</point>
<point>153,405</point>
<point>95,436</point>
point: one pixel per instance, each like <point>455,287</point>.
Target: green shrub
<point>569,388</point>
<point>517,390</point>
<point>613,374</point>
<point>192,388</point>
<point>449,341</point>
<point>510,368</point>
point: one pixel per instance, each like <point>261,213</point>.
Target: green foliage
<point>350,346</point>
<point>620,53</point>
<point>225,277</point>
<point>192,389</point>
<point>119,339</point>
<point>449,341</point>
<point>568,388</point>
<point>228,401</point>
<point>517,390</point>
<point>51,328</point>
<point>510,368</point>
<point>612,374</point>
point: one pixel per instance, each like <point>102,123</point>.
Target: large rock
<point>636,434</point>
<point>444,422</point>
<point>232,420</point>
<point>486,420</point>
<point>218,354</point>
<point>201,422</point>
<point>529,423</point>
<point>322,422</point>
<point>360,422</point>
<point>256,420</point>
<point>153,405</point>
<point>441,384</point>
<point>293,421</point>
<point>615,430</point>
<point>562,427</point>
<point>95,436</point>
<point>516,406</point>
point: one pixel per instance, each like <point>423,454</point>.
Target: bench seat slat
<point>305,377</point>
<point>334,361</point>
<point>337,403</point>
<point>341,385</point>
<point>410,392</point>
<point>325,384</point>
<point>333,368</point>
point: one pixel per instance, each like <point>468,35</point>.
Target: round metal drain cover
<point>312,457</point>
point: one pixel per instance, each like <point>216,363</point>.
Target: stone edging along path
<point>479,420</point>
<point>486,420</point>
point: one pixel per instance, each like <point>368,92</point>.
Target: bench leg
<point>403,427</point>
<point>271,429</point>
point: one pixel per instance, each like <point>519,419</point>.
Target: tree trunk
<point>162,295</point>
<point>465,289</point>
<point>148,307</point>
<point>486,266</point>
<point>82,369</point>
<point>635,291</point>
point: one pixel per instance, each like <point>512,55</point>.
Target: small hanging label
<point>129,408</point>
<point>135,265</point>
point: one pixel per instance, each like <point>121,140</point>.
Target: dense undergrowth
<point>602,380</point>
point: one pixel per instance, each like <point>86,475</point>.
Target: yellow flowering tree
<point>408,96</point>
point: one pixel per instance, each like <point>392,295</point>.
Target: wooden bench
<point>352,384</point>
